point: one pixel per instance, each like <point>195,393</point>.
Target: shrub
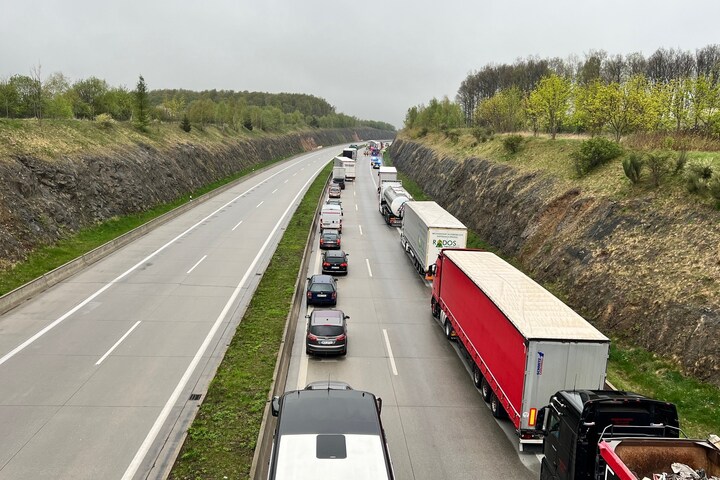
<point>482,134</point>
<point>680,161</point>
<point>658,165</point>
<point>422,132</point>
<point>593,153</point>
<point>713,186</point>
<point>105,120</point>
<point>185,125</point>
<point>452,135</point>
<point>513,143</point>
<point>632,165</point>
<point>697,176</point>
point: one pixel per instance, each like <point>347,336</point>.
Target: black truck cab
<point>574,421</point>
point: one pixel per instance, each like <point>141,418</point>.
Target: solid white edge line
<point>285,181</point>
<point>258,205</point>
<point>360,227</point>
<point>117,343</point>
<point>238,224</point>
<point>390,354</point>
<point>198,263</point>
<point>367,262</point>
<point>92,297</point>
<point>165,412</point>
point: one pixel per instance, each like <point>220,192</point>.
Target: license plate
<point>327,342</point>
<point>321,295</point>
<point>335,267</point>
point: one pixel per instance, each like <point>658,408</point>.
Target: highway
<point>437,424</point>
<point>97,373</point>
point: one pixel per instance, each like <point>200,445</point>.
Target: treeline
<point>56,96</point>
<point>670,91</point>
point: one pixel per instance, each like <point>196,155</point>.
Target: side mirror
<point>307,316</point>
<point>347,316</point>
<point>378,401</point>
<point>275,406</point>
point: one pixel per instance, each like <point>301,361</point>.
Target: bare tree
<point>37,94</point>
<point>614,69</point>
<point>636,64</point>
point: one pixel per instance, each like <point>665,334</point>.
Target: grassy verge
<point>221,440</point>
<point>632,368</point>
<point>47,258</point>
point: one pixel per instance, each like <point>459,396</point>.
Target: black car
<point>326,332</point>
<point>329,238</point>
<point>335,261</point>
<point>328,385</point>
<point>321,290</point>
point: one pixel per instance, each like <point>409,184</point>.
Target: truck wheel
<point>477,377</point>
<point>485,390</point>
<point>448,330</point>
<point>496,407</point>
<point>435,308</point>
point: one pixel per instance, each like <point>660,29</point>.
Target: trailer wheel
<point>485,390</point>
<point>477,377</point>
<point>496,407</point>
<point>448,330</point>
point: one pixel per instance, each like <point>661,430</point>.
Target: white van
<point>331,217</point>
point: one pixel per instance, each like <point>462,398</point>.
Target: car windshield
<point>321,287</point>
<point>335,255</point>
<point>327,330</point>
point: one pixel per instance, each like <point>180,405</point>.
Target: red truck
<point>524,343</point>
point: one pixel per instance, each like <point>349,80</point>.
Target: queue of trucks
<point>526,346</point>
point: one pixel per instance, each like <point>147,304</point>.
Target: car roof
<point>330,231</point>
<point>335,253</point>
<point>328,385</point>
<point>327,317</point>
<point>322,279</point>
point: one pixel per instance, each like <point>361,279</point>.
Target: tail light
<point>309,294</point>
<point>334,295</point>
<point>311,337</point>
<point>340,337</point>
<point>326,264</point>
<point>338,241</point>
<point>321,241</point>
<point>344,264</point>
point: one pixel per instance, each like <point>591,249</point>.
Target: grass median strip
<point>221,441</point>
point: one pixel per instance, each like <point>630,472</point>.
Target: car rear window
<point>321,287</point>
<point>326,330</point>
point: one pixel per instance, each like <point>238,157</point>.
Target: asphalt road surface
<point>437,424</point>
<point>96,373</point>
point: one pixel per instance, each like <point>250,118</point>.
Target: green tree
<point>201,111</point>
<point>590,113</point>
<point>629,106</point>
<point>550,100</point>
<point>8,98</point>
<point>142,105</point>
<point>89,96</point>
<point>503,112</point>
<point>185,125</point>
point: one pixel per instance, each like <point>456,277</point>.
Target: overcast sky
<point>369,58</point>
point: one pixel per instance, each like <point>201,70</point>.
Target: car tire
<point>448,330</point>
<point>485,390</point>
<point>496,407</point>
<point>307,351</point>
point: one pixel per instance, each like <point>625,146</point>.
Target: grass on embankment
<point>47,258</point>
<point>221,441</point>
<point>636,369</point>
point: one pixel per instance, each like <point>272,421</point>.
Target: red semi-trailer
<point>525,344</point>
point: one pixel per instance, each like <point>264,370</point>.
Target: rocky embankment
<point>633,268</point>
<point>41,200</point>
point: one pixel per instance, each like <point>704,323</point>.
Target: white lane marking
<point>294,174</point>
<point>273,191</point>
<point>356,207</point>
<point>117,343</point>
<point>198,263</point>
<point>258,205</point>
<point>238,224</point>
<point>92,297</point>
<point>390,354</point>
<point>360,227</point>
<point>152,434</point>
<point>286,181</point>
<point>354,194</point>
<point>367,262</point>
<point>303,168</point>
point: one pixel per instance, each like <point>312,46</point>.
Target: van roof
<point>329,207</point>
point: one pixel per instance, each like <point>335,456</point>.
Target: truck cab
<point>574,422</point>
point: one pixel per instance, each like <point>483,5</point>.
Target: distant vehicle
<point>326,332</point>
<point>335,191</point>
<point>376,163</point>
<point>331,217</point>
<point>386,174</point>
<point>350,153</point>
<point>328,385</point>
<point>321,290</point>
<point>335,261</point>
<point>329,238</point>
<point>330,434</point>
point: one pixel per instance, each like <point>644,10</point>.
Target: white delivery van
<point>331,217</point>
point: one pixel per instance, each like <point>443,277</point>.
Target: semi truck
<point>349,166</point>
<point>350,153</point>
<point>391,201</point>
<point>386,174</point>
<point>426,229</point>
<point>339,176</point>
<point>616,435</point>
<point>524,344</point>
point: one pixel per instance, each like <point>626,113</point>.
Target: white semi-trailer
<point>392,198</point>
<point>426,229</point>
<point>349,169</point>
<point>386,174</point>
